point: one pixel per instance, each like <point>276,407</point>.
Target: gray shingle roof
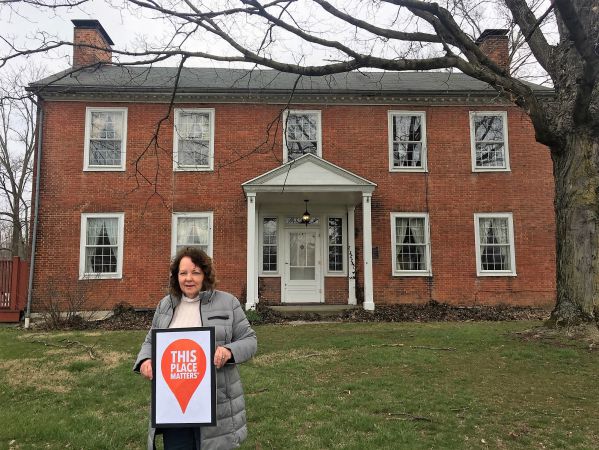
<point>209,80</point>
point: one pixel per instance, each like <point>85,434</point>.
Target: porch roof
<point>309,174</point>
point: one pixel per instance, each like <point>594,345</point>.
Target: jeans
<point>181,438</point>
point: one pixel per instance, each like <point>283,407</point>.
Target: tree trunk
<point>576,171</point>
<point>17,243</point>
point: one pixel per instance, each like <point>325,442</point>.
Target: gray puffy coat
<point>223,312</point>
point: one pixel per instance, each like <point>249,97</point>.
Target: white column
<point>251,253</point>
<point>351,257</point>
<point>257,257</point>
<point>367,250</point>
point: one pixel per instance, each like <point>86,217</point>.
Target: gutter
<point>40,125</point>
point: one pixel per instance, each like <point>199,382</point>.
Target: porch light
<point>306,217</point>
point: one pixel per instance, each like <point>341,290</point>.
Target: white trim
<point>423,155</point>
<point>319,131</point>
<point>192,168</point>
<point>327,271</point>
<point>367,251</point>
<point>120,247</point>
<point>174,222</point>
<point>251,257</point>
<point>102,168</point>
<point>411,273</point>
<point>506,155</point>
<point>495,273</point>
<point>351,245</point>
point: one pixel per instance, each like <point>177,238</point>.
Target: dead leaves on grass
<point>51,371</point>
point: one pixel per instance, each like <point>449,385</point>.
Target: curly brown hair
<point>201,260</point>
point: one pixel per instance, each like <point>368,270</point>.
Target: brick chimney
<point>494,43</point>
<point>90,32</point>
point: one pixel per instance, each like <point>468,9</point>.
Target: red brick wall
<point>336,290</point>
<point>355,138</point>
<point>269,290</point>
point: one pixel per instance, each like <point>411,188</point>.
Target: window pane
<point>410,244</point>
<point>489,155</point>
<point>488,128</point>
<point>193,231</point>
<point>101,245</point>
<point>495,244</point>
<point>407,155</point>
<point>335,244</point>
<point>107,125</point>
<point>407,128</point>
<point>193,153</point>
<point>193,125</point>
<point>105,153</point>
<point>269,244</point>
<point>301,134</point>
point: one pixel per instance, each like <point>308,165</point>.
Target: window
<point>269,244</point>
<point>495,244</point>
<point>192,230</point>
<point>101,248</point>
<point>488,131</point>
<point>193,146</point>
<point>302,134</point>
<point>410,238</point>
<point>105,139</point>
<point>335,244</point>
<point>407,141</point>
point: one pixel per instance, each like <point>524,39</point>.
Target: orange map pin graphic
<point>183,368</point>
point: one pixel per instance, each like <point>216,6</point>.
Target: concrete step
<point>311,308</point>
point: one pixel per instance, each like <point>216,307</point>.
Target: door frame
<point>319,281</point>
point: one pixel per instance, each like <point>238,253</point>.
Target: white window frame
<point>191,215</point>
<point>427,237</point>
<point>495,273</point>
<point>83,240</point>
<point>423,156</point>
<point>193,168</point>
<point>506,156</point>
<point>335,273</point>
<point>280,228</point>
<point>88,126</point>
<point>319,130</point>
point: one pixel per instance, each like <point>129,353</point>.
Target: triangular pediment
<point>306,172</point>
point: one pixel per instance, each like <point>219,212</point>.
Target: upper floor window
<point>494,244</point>
<point>193,146</point>
<point>105,139</point>
<point>192,230</point>
<point>101,248</point>
<point>301,134</point>
<point>407,141</point>
<point>488,133</point>
<point>410,244</point>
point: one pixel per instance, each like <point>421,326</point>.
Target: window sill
<point>193,169</point>
<point>490,169</point>
<point>104,169</point>
<point>408,170</point>
<point>336,274</point>
<point>98,276</point>
<point>496,274</point>
<point>412,274</point>
<point>270,275</point>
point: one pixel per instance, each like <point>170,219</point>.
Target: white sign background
<point>167,408</point>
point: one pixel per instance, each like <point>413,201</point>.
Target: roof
<point>132,79</point>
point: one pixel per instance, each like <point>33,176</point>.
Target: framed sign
<point>184,382</point>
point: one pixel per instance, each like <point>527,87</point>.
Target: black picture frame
<point>210,367</point>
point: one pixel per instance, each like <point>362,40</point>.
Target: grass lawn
<point>320,386</point>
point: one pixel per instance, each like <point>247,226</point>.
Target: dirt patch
<point>270,359</point>
<point>33,373</point>
<point>586,335</point>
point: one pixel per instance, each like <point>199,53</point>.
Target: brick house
<point>418,186</point>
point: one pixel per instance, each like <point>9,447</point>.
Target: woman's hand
<point>146,369</point>
<point>221,356</point>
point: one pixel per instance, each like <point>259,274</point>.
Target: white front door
<point>303,276</point>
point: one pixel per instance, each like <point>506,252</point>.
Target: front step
<point>311,308</point>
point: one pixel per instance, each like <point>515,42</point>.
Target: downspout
<point>40,126</point>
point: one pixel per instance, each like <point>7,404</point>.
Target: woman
<point>194,302</point>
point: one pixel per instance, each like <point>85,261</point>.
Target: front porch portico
<point>309,262</point>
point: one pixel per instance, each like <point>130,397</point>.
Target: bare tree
<point>17,144</point>
<point>392,35</point>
